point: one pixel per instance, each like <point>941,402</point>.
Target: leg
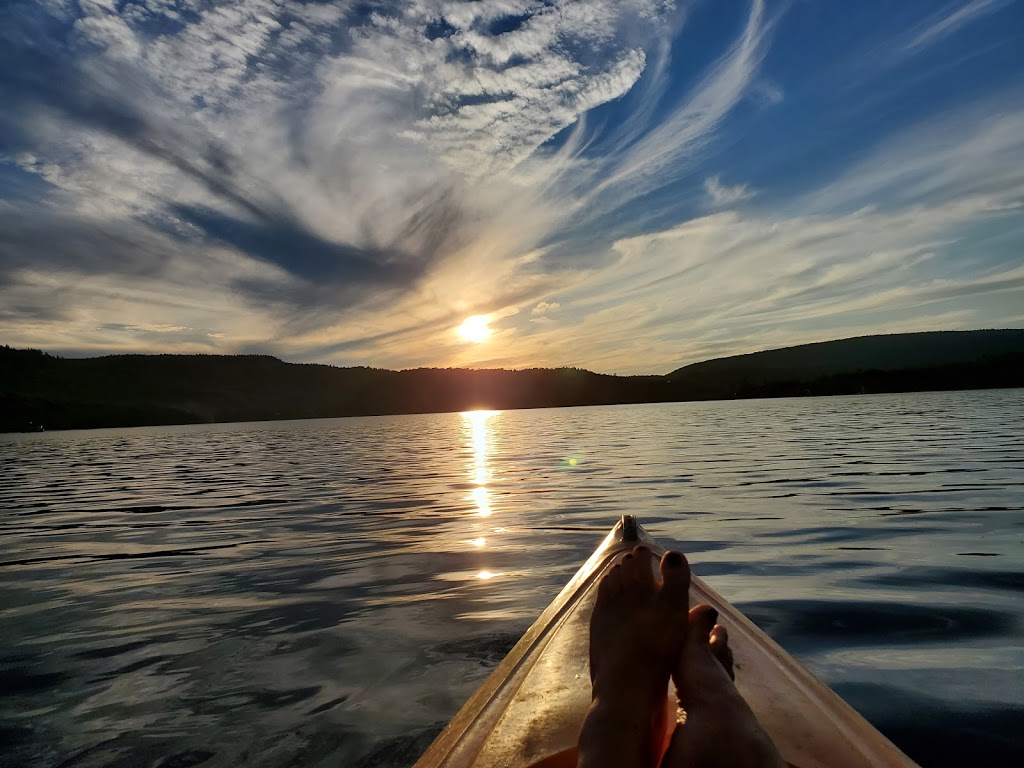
<point>720,730</point>
<point>636,633</point>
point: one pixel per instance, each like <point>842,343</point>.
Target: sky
<point>620,185</point>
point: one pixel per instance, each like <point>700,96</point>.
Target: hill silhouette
<point>896,362</point>
<point>38,390</point>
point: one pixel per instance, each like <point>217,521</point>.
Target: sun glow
<point>474,329</point>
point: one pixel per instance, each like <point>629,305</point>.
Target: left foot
<point>637,632</point>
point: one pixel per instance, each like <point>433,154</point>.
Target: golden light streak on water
<point>482,500</point>
<point>480,473</point>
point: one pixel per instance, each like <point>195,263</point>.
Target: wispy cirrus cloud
<point>824,265</point>
<point>950,20</point>
<point>345,182</point>
<point>367,157</point>
<point>721,194</point>
<point>972,151</point>
<point>667,151</point>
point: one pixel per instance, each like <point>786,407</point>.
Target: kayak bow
<point>529,710</point>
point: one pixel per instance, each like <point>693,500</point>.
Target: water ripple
<point>291,593</point>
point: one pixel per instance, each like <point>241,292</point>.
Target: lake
<point>329,592</point>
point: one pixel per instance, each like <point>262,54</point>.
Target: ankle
<point>749,746</point>
<point>639,733</point>
<point>631,683</point>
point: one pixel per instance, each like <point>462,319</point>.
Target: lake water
<point>329,592</point>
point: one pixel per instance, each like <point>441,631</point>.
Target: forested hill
<point>38,390</point>
<point>941,359</point>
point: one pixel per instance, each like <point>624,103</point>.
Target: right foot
<point>720,731</point>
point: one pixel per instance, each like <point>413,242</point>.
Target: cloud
<point>257,126</point>
<point>768,92</point>
<point>821,266</point>
<point>726,283</point>
<point>545,307</point>
<point>974,150</point>
<point>497,80</point>
<point>721,194</point>
<point>949,21</point>
<point>667,151</point>
<point>177,335</point>
<point>347,182</point>
<point>371,159</point>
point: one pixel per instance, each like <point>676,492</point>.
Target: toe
<point>675,576</point>
<point>644,570</point>
<point>628,563</point>
<point>611,583</point>
<point>720,649</point>
<point>702,621</point>
<point>719,636</point>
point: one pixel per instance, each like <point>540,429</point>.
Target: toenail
<point>674,559</point>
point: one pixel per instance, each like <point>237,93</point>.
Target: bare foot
<point>637,633</point>
<point>720,730</point>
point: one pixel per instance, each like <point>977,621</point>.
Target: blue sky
<point>621,185</point>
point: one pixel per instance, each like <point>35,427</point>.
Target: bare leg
<point>720,730</point>
<point>637,632</point>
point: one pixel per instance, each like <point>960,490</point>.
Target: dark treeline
<point>38,390</point>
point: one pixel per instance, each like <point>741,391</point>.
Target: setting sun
<point>474,328</point>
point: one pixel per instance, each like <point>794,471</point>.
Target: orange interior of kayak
<point>529,710</point>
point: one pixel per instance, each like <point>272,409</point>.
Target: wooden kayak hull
<point>529,709</point>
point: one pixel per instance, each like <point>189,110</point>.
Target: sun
<point>474,329</point>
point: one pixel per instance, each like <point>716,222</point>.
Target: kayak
<point>529,710</point>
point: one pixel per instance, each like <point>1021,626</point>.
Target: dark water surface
<point>329,592</point>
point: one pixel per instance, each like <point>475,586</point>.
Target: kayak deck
<point>529,709</point>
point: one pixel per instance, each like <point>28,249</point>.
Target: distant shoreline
<point>499,410</point>
<point>40,391</point>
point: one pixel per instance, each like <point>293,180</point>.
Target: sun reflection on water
<point>480,473</point>
<point>480,442</point>
<point>482,500</point>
